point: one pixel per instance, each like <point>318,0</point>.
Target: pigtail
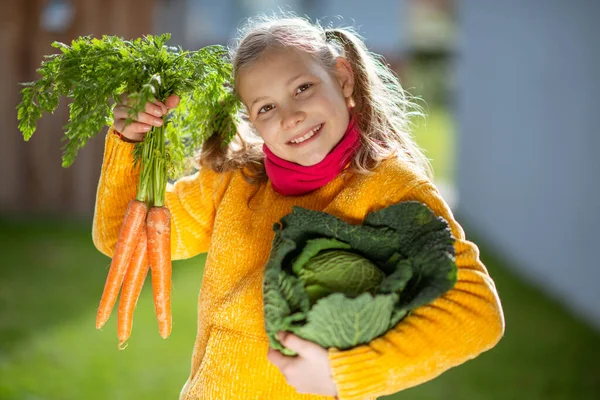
<point>354,51</point>
<point>382,107</point>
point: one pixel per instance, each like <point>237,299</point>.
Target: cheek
<point>266,132</point>
<point>333,104</point>
<point>340,102</point>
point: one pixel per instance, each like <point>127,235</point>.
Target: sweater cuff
<point>118,156</point>
<point>357,373</point>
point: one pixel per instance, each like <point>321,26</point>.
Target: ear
<point>345,76</point>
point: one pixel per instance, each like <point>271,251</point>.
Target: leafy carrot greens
<point>92,73</point>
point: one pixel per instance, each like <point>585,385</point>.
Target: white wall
<point>529,139</point>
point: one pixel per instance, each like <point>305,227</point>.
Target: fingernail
<point>156,113</point>
<point>281,336</point>
<point>146,128</point>
<point>158,122</point>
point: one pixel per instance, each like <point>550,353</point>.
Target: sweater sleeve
<point>190,201</point>
<point>458,326</point>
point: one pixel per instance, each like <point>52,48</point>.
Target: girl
<point>326,128</point>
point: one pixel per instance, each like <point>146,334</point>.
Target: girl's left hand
<point>309,372</point>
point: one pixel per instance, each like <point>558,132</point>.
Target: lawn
<point>51,279</point>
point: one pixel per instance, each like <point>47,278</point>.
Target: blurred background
<point>510,89</point>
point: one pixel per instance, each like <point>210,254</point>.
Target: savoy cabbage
<point>342,285</point>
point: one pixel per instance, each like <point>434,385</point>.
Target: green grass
<point>51,281</point>
<point>52,277</point>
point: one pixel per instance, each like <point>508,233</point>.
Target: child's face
<point>290,96</point>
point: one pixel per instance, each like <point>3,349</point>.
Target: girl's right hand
<point>145,120</point>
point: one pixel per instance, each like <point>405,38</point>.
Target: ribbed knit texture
<point>233,220</point>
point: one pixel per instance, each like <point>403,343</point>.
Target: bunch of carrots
<point>92,72</point>
<point>144,244</point>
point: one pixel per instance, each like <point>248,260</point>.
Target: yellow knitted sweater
<point>232,220</point>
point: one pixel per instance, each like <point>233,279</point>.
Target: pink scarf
<point>291,179</point>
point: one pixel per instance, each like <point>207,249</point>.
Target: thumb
<point>295,343</point>
<point>172,101</point>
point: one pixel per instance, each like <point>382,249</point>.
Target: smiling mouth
<point>307,136</point>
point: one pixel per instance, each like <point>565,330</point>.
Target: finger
<point>155,108</point>
<point>296,343</point>
<point>133,131</point>
<point>280,360</point>
<point>162,106</point>
<point>135,137</point>
<point>172,101</point>
<point>121,111</point>
<point>147,119</point>
<point>131,128</point>
<point>275,357</point>
<point>124,99</point>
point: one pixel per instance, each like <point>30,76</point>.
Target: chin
<point>312,160</point>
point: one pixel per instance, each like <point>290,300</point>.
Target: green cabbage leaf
<point>342,285</point>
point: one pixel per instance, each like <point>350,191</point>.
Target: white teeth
<point>307,136</point>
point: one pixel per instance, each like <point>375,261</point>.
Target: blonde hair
<point>383,110</point>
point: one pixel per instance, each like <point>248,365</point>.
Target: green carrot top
<point>92,73</point>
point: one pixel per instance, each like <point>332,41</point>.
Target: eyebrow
<point>287,83</point>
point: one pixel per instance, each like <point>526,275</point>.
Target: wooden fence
<point>31,176</point>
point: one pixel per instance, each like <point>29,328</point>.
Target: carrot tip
<point>165,335</point>
<point>123,345</point>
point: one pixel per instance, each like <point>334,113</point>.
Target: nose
<point>292,117</point>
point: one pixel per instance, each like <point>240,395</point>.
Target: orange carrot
<point>132,287</point>
<point>128,239</point>
<point>158,224</point>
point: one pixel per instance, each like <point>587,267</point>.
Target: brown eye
<point>265,109</point>
<point>303,88</point>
